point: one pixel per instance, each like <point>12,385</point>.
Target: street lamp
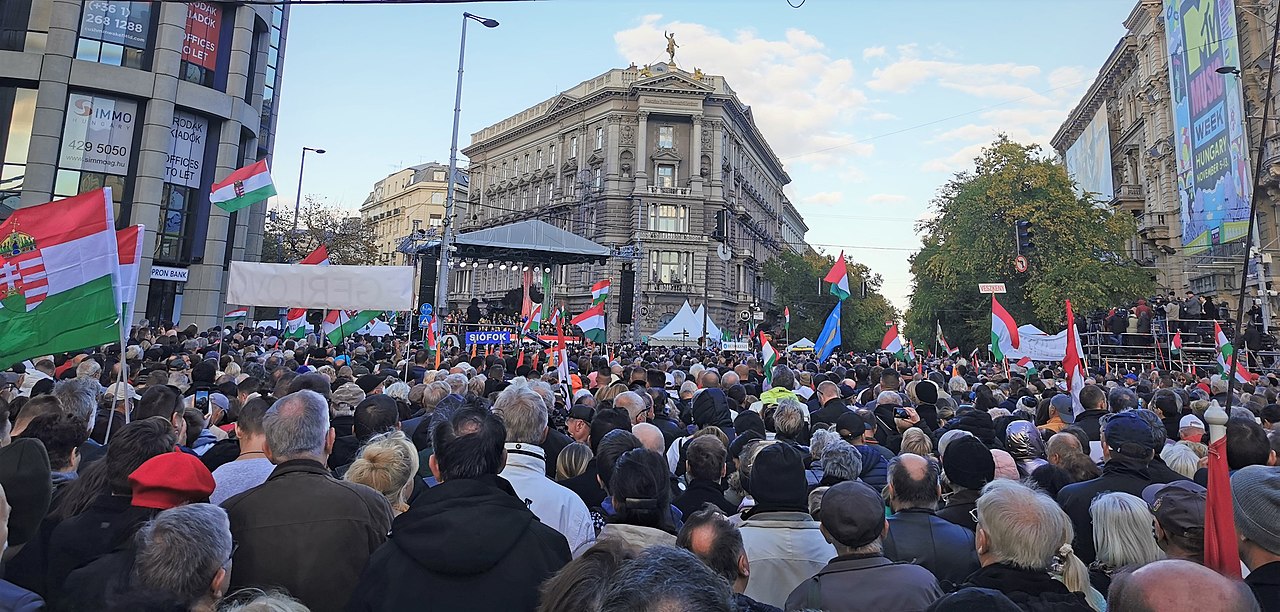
<point>446,236</point>
<point>297,203</point>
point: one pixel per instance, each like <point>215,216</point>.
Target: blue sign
<point>425,310</point>
<point>489,337</point>
<point>424,321</point>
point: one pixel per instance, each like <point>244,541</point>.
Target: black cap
<point>853,513</point>
<point>851,422</point>
<point>777,478</point>
<point>582,412</point>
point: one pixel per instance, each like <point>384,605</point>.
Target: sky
<point>871,106</point>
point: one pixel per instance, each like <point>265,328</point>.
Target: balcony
<point>669,191</point>
<point>1128,198</point>
<point>680,288</point>
<point>680,237</point>
<point>1150,227</point>
<point>1271,159</point>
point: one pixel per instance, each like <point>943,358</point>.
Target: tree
<point>348,237</point>
<point>1079,249</point>
<point>797,284</point>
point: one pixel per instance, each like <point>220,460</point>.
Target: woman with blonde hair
<point>1123,535</point>
<point>387,464</point>
<point>573,461</point>
<point>916,441</point>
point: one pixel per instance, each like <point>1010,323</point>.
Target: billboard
<point>1209,139</point>
<point>98,134</point>
<point>186,149</point>
<point>123,23</point>
<point>200,41</point>
<point>1089,159</point>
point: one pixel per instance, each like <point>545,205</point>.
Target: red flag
<point>1221,553</point>
<point>519,359</point>
<point>536,356</point>
<point>1073,368</point>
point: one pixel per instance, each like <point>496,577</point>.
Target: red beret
<point>170,480</point>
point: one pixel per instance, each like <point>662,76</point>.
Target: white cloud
<point>824,198</point>
<point>886,198</point>
<point>874,52</point>
<point>803,99</point>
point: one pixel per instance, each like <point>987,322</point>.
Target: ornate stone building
<point>663,165</point>
<point>1132,92</point>
<point>407,201</point>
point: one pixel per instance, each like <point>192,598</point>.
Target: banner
<point>200,43</point>
<point>1035,344</point>
<point>327,287</point>
<point>97,134</point>
<point>122,23</point>
<point>1089,159</point>
<point>1209,140</point>
<point>186,149</point>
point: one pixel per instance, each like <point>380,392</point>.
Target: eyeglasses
<point>234,547</point>
<point>973,514</point>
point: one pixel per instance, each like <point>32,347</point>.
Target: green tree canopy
<point>797,283</point>
<point>348,238</point>
<point>1079,249</point>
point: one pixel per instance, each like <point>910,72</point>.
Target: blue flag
<point>829,339</point>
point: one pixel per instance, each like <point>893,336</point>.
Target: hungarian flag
<point>839,278</point>
<point>58,269</point>
<point>1072,367</point>
<point>892,342</point>
<point>129,249</point>
<point>1004,331</point>
<point>1175,345</point>
<point>768,356</point>
<point>1225,350</point>
<point>534,322</point>
<point>942,341</point>
<point>600,291</point>
<point>296,321</point>
<point>786,319</point>
<point>1221,546</point>
<point>244,187</point>
<point>339,324</point>
<point>561,356</point>
<point>591,321</point>
<point>553,320</point>
<point>236,314</point>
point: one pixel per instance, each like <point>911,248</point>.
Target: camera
<point>901,413</point>
<point>202,402</point>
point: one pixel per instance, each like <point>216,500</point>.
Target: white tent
<point>803,344</point>
<point>685,329</point>
<point>376,327</point>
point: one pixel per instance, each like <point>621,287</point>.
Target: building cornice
<point>1122,61</point>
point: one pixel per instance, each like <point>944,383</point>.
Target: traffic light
<point>1024,235</point>
<point>722,225</point>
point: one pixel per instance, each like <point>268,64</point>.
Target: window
<point>115,33</point>
<point>666,137</point>
<point>97,145</point>
<point>437,197</point>
<point>175,208</point>
<point>438,176</point>
<point>200,44</point>
<point>24,25</point>
<point>19,106</point>
<point>667,218</point>
<point>551,152</point>
<point>666,175</point>
<point>539,159</point>
<point>504,174</point>
<point>537,198</point>
<point>599,178</point>
<point>434,221</point>
<point>573,146</point>
<point>599,138</point>
<point>550,192</point>
<point>527,167</point>
<point>669,267</point>
<point>515,165</point>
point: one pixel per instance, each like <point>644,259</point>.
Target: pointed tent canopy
<point>528,240</point>
<point>685,328</point>
<point>803,344</point>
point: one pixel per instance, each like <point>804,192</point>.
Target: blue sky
<point>870,105</point>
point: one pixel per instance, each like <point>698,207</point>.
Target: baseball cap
<point>1191,420</point>
<point>851,422</point>
<point>853,513</point>
<point>1128,433</point>
<point>1178,506</point>
<point>122,390</point>
<point>582,412</point>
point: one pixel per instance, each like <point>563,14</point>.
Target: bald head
<point>633,404</point>
<point>714,539</point>
<point>828,390</point>
<point>913,482</point>
<point>1175,584</point>
<point>1062,445</point>
<point>650,436</point>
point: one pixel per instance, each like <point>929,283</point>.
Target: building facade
<point>1121,142</point>
<point>664,166</point>
<point>407,201</point>
<point>156,101</point>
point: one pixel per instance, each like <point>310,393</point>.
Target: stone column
<point>51,102</point>
<point>642,151</point>
<point>714,176</point>
<point>695,157</point>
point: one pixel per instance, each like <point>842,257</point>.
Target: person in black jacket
<point>705,465</point>
<point>469,543</point>
<point>1094,400</point>
<point>916,534</point>
<point>832,405</point>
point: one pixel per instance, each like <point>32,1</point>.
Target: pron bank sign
<point>200,45</point>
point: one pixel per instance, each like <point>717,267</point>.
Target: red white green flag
<point>600,291</point>
<point>129,249</point>
<point>1004,331</point>
<point>339,324</point>
<point>839,278</point>
<point>58,269</point>
<point>768,357</point>
<point>1175,345</point>
<point>892,342</point>
<point>244,187</point>
<point>1072,366</point>
<point>236,314</point>
<point>786,318</point>
<point>296,321</point>
<point>534,322</point>
<point>591,321</point>
<point>1225,350</point>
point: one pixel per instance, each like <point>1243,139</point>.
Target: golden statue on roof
<point>671,47</point>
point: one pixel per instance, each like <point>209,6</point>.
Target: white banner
<point>1036,344</point>
<point>329,287</point>
<point>186,149</point>
<point>97,134</point>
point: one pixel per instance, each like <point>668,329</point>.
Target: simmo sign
<point>97,134</point>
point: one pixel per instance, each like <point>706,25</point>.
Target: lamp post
<point>297,202</point>
<point>446,236</point>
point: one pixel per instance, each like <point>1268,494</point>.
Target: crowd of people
<point>234,470</point>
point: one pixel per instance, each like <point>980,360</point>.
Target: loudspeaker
<point>628,295</point>
<point>427,282</point>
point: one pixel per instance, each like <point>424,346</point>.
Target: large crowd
<point>234,470</point>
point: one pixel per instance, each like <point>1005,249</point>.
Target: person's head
<point>1022,527</point>
<point>611,446</point>
<point>1060,446</point>
<point>711,536</point>
<point>650,436</point>
<point>828,391</point>
<point>468,444</point>
<point>667,578</point>
<point>1129,435</point>
<point>1179,510</point>
<point>581,584</point>
<point>38,406</point>
<point>640,490</point>
<point>162,401</point>
<point>788,420</point>
<point>1255,492</point>
<point>634,404</point>
<point>705,459</point>
<point>1247,444</point>
<point>1093,397</point>
<point>573,460</point>
<point>61,434</point>
<point>916,441</point>
<point>257,600</point>
<point>186,552</point>
<point>777,480</point>
<point>1175,584</point>
<point>784,377</point>
<point>1123,531</point>
<point>387,464</point>
<point>79,396</point>
<point>375,415</point>
<point>1121,399</point>
<point>913,483</point>
<point>841,461</point>
<point>852,518</point>
<point>888,398</point>
<point>249,420</point>
<point>297,427</point>
<point>968,463</point>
